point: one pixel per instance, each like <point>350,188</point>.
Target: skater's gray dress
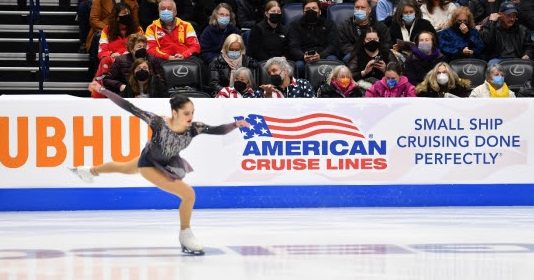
<point>163,150</point>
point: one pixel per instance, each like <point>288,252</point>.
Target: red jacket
<point>106,47</point>
<point>181,40</point>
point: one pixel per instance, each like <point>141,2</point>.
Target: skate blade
<point>192,252</point>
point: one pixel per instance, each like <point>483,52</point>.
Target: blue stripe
<point>40,199</point>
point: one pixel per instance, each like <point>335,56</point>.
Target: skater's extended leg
<point>129,167</point>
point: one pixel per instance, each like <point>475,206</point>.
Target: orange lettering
<point>80,141</point>
<point>22,142</point>
<point>43,141</point>
<point>117,141</point>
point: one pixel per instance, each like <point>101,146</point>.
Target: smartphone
<point>377,58</point>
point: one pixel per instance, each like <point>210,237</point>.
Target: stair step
<point>46,17</point>
<point>56,74</point>
<point>72,88</point>
<point>54,45</point>
<point>14,28</point>
<point>52,56</point>
<point>45,3</point>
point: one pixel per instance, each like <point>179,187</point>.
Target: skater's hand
<point>95,86</point>
<point>242,123</point>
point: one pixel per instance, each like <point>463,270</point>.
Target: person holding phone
<point>312,37</point>
<point>369,62</point>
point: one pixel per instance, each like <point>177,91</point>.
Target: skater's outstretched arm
<point>220,129</point>
<point>124,104</point>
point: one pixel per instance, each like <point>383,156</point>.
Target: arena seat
<point>517,72</point>
<point>471,69</point>
<point>182,73</point>
<point>317,72</point>
<point>291,12</point>
<point>339,13</point>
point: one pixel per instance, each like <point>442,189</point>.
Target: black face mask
<point>311,16</point>
<point>371,46</point>
<point>275,18</point>
<point>125,20</point>
<point>140,53</point>
<point>276,80</point>
<point>240,86</point>
<point>142,75</point>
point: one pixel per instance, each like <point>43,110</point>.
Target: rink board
<point>299,153</point>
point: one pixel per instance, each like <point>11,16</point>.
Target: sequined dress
<point>163,150</point>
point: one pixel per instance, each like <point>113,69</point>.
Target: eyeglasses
<point>460,21</point>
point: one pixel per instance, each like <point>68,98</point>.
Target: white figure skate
<point>190,245</point>
<point>83,172</point>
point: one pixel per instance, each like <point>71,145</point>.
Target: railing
<point>44,67</point>
<point>35,14</point>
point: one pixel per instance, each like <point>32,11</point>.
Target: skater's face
<point>184,115</point>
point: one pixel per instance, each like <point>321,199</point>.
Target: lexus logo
<point>517,70</point>
<point>324,70</point>
<point>180,71</point>
<point>469,70</point>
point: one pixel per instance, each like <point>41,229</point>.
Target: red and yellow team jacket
<point>181,40</point>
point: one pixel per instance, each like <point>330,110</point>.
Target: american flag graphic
<point>299,127</point>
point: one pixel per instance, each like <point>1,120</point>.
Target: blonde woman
<point>340,84</point>
<point>442,81</point>
<point>232,56</point>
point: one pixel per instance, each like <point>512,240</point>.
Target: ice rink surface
<point>486,243</point>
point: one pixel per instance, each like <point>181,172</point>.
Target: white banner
<point>293,141</point>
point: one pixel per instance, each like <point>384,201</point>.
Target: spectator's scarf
<point>233,64</point>
<point>502,92</point>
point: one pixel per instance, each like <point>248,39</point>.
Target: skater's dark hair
<point>178,101</point>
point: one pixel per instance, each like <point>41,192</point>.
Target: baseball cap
<point>508,8</point>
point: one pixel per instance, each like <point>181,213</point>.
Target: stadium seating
<point>339,13</point>
<point>517,72</point>
<point>317,72</point>
<point>471,69</point>
<point>291,12</point>
<point>182,73</point>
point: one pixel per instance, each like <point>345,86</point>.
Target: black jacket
<point>118,75</point>
<point>499,40</point>
<point>156,89</point>
<point>220,72</point>
<point>321,37</point>
<point>248,12</point>
<point>350,35</point>
<point>266,42</point>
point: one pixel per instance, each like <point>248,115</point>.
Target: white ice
<point>333,243</point>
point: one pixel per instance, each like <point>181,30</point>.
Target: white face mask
<point>442,78</point>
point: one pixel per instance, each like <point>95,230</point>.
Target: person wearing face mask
<point>117,78</point>
<point>312,37</point>
<point>369,62</point>
<point>101,15</point>
<point>281,82</point>
<point>268,38</point>
<point>143,83</point>
<point>407,23</point>
<point>425,55</point>
<point>351,31</point>
<point>394,84</point>
<point>221,24</point>
<point>114,37</point>
<point>169,37</point>
<point>461,39</point>
<point>232,56</point>
<point>241,87</point>
<point>494,86</point>
<point>148,11</point>
<point>442,81</point>
<point>340,84</point>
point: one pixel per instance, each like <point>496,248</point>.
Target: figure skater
<point>160,162</point>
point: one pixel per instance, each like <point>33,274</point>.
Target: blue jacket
<point>212,39</point>
<point>452,43</point>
